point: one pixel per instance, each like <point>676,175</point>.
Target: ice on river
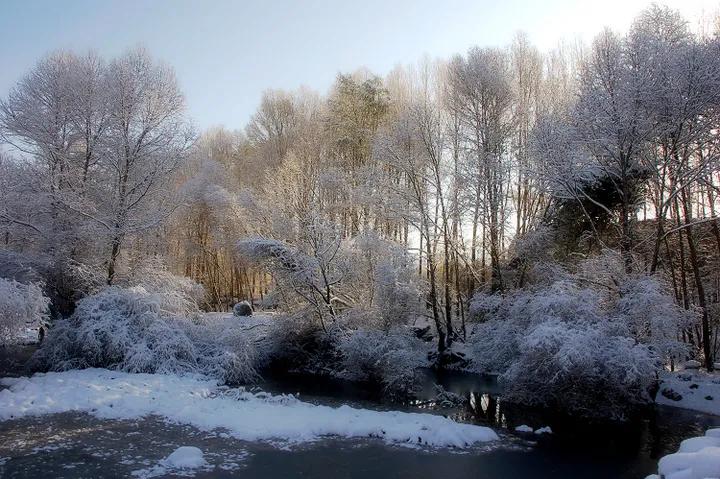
<point>200,402</point>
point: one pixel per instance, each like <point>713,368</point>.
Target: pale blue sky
<point>227,52</point>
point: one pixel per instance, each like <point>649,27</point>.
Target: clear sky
<point>227,52</point>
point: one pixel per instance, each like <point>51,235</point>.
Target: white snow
<point>524,428</point>
<point>183,462</point>
<point>697,458</point>
<point>200,402</point>
<point>543,430</point>
<point>185,457</point>
<point>695,444</point>
<point>700,390</point>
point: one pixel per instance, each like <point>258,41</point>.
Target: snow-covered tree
<point>147,142</point>
<point>23,306</point>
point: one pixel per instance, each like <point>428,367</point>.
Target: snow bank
<point>696,390</point>
<point>200,402</point>
<point>698,458</point>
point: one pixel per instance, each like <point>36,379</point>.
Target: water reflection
<point>636,444</point>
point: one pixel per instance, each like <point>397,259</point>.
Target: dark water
<point>77,445</point>
<point>576,449</point>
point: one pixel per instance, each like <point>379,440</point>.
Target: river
<point>77,445</point>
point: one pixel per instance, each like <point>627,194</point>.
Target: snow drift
<point>200,402</point>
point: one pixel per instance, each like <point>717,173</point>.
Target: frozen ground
<point>691,389</point>
<point>196,401</point>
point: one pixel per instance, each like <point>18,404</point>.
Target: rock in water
<point>524,428</point>
<point>671,394</point>
<point>242,308</point>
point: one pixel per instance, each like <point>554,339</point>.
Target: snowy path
<point>201,403</point>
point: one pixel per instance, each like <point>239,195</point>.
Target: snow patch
<point>185,457</point>
<point>200,402</point>
<point>524,428</point>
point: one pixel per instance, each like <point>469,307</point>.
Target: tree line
<point>405,195</point>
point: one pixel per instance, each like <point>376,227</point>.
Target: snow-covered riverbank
<point>697,458</point>
<point>691,389</point>
<point>199,402</point>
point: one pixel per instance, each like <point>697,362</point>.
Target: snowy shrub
<point>22,306</point>
<point>307,280</point>
<point>397,294</point>
<point>176,294</point>
<point>583,368</point>
<point>386,271</point>
<point>120,329</point>
<point>584,350</point>
<point>131,330</point>
<point>389,358</point>
<point>528,256</point>
<point>654,318</point>
<point>494,343</point>
<point>485,304</point>
<point>224,349</point>
<point>322,275</point>
<point>84,279</point>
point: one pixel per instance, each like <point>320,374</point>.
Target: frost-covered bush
<point>124,329</point>
<point>22,306</point>
<point>494,343</point>
<point>176,294</point>
<point>225,349</point>
<point>529,256</point>
<point>327,276</point>
<point>583,368</point>
<point>386,271</point>
<point>22,268</point>
<point>654,318</point>
<point>132,330</point>
<point>591,351</point>
<point>389,358</point>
